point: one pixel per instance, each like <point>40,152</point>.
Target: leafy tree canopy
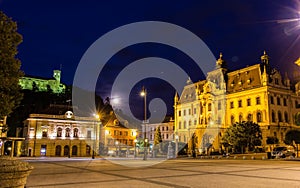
<point>157,136</point>
<point>10,73</point>
<point>292,136</point>
<point>243,135</point>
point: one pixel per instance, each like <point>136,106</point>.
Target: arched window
<point>58,150</point>
<point>278,101</point>
<point>259,117</point>
<point>59,132</point>
<point>286,117</point>
<point>232,119</point>
<point>66,150</point>
<point>272,100</point>
<point>88,150</point>
<point>273,117</point>
<point>279,117</point>
<point>240,117</point>
<point>209,107</point>
<point>75,133</point>
<point>68,132</point>
<point>74,150</point>
<point>249,117</point>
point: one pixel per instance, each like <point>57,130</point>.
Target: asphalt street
<point>181,173</point>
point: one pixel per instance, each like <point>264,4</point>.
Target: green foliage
<point>10,73</point>
<point>243,135</point>
<point>293,135</point>
<point>157,136</point>
<point>272,140</point>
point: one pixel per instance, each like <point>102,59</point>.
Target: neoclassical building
<point>64,134</point>
<point>255,93</point>
<point>43,84</point>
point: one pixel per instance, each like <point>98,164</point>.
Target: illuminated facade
<point>67,135</point>
<point>42,84</point>
<point>256,93</point>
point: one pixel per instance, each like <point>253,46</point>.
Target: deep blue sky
<point>59,32</point>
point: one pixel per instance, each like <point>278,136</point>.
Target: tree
<point>157,139</point>
<point>243,135</point>
<point>292,136</point>
<point>10,95</point>
<point>157,136</point>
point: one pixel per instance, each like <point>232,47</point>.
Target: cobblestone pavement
<point>181,173</point>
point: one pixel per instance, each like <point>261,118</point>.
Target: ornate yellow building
<point>256,93</point>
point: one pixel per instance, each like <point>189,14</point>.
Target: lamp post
<point>96,116</point>
<point>176,145</point>
<point>144,94</point>
<point>134,153</point>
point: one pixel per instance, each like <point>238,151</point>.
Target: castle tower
<point>56,75</point>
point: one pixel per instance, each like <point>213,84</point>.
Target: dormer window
<point>276,81</point>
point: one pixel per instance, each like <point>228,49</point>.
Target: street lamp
<point>176,145</point>
<point>95,135</point>
<point>117,150</point>
<point>144,94</point>
<point>134,154</point>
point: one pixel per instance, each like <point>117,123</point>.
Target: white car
<point>283,152</point>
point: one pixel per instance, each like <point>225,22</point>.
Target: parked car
<point>283,151</point>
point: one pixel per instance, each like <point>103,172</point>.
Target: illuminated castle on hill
<point>43,84</point>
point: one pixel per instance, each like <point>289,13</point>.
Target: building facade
<point>67,135</point>
<point>255,93</point>
<point>41,84</point>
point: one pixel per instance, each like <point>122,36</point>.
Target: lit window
<point>248,102</point>
<point>259,117</point>
<point>240,103</point>
<point>68,132</point>
<point>209,107</point>
<point>278,101</point>
<point>59,132</point>
<point>257,100</point>
<point>45,133</point>
<point>75,133</point>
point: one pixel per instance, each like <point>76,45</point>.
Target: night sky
<point>57,33</point>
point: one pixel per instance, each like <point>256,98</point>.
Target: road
<point>179,173</point>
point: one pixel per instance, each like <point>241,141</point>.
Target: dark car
<point>283,151</point>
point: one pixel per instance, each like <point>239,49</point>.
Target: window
<point>219,105</point>
<point>120,133</point>
<point>167,128</point>
<point>184,124</point>
<point>59,132</point>
<point>179,113</point>
<point>240,117</point>
<point>231,104</point>
<point>75,133</point>
<point>125,133</point>
<point>279,116</point>
<point>284,102</point>
<point>45,133</point>
<point>190,123</point>
<point>67,132</point>
<point>162,128</point>
<point>89,134</point>
<point>248,102</point>
<point>184,113</point>
<point>115,132</point>
<point>286,117</point>
<point>240,103</point>
<point>190,112</point>
<point>258,117</point>
<point>74,150</point>
<point>272,100</point>
<point>179,125</point>
<point>273,116</point>
<point>195,111</point>
<point>276,81</point>
<point>167,136</point>
<point>278,101</point>
<point>249,117</point>
<point>296,104</point>
<point>232,119</point>
<point>257,100</point>
<point>195,122</point>
<point>209,107</point>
